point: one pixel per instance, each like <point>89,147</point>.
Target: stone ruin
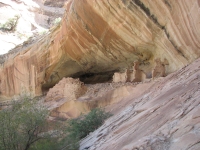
<point>130,75</point>
<point>136,75</point>
<point>68,88</point>
<point>159,69</point>
<point>120,77</point>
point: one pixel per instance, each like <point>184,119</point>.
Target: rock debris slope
<point>98,37</point>
<point>165,117</point>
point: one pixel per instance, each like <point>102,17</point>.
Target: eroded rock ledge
<point>106,36</point>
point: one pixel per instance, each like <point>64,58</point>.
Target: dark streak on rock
<point>112,6</point>
<point>168,4</point>
<point>154,19</point>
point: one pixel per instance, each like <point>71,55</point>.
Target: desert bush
<point>57,21</point>
<point>43,32</point>
<point>10,24</point>
<point>82,126</point>
<point>47,144</point>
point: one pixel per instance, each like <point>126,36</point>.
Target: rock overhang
<point>98,38</point>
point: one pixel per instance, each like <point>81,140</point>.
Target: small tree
<point>22,125</point>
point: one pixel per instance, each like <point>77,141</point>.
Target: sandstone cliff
<point>97,38</point>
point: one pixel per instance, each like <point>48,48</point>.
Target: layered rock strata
<point>164,117</point>
<point>102,37</point>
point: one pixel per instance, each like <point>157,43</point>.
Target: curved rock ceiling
<point>98,37</point>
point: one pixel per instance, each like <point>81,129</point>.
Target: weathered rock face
<point>101,37</point>
<point>164,117</point>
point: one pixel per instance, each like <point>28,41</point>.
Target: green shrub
<point>23,125</point>
<point>47,144</point>
<point>10,25</point>
<point>82,126</point>
<point>57,21</point>
<point>43,32</point>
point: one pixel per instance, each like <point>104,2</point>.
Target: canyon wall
<point>97,38</point>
